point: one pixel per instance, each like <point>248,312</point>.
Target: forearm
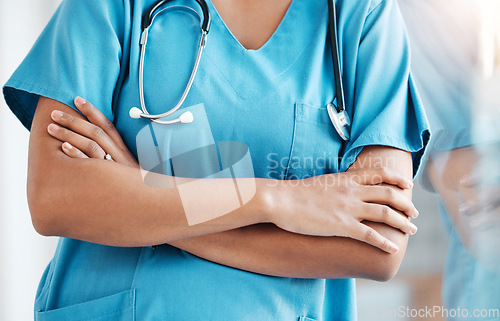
<point>268,250</point>
<point>445,170</point>
<point>105,202</point>
<point>108,203</point>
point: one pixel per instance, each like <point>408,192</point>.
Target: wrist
<point>266,199</point>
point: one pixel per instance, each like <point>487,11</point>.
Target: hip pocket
<point>316,145</point>
<point>116,307</point>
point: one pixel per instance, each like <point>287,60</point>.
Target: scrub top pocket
<point>315,146</point>
<point>116,307</point>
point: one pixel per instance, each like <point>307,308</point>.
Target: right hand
<point>93,137</point>
<point>337,204</point>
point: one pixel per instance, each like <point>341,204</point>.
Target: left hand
<point>94,138</point>
<point>481,192</point>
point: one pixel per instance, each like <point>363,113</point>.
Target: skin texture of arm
<point>266,249</point>
<point>75,198</point>
<point>122,210</point>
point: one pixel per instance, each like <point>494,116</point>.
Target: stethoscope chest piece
<point>340,121</point>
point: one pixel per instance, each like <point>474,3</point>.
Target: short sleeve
<point>386,107</point>
<point>78,54</point>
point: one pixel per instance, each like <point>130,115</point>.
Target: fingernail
<point>56,114</point>
<point>394,248</point>
<point>464,209</point>
<point>410,184</point>
<point>53,128</point>
<point>416,213</point>
<point>80,100</point>
<point>413,229</point>
<point>67,146</point>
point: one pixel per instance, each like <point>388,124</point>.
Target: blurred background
<point>23,253</point>
<point>456,61</point>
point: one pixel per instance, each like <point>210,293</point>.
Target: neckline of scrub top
<point>283,22</point>
<point>299,26</point>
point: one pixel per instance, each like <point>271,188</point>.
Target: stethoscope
<point>338,115</point>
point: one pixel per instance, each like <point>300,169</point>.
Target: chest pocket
<point>118,307</point>
<point>315,145</point>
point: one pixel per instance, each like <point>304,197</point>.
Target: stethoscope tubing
<point>338,115</point>
<point>155,118</point>
<point>148,20</point>
<point>332,28</point>
<point>148,17</point>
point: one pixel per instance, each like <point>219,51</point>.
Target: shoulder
<point>104,8</point>
<point>364,8</point>
<point>381,4</point>
<point>358,11</point>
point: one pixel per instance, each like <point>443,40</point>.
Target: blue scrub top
<point>272,99</point>
<point>468,284</point>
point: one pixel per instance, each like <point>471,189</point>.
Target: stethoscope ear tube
<point>332,29</point>
<point>147,17</point>
<point>338,115</point>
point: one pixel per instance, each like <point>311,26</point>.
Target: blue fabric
<point>273,100</point>
<point>467,284</point>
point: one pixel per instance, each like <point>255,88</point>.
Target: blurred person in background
<point>456,63</point>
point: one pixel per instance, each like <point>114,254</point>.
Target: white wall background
<point>23,253</point>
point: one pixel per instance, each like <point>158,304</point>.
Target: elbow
<point>381,266</point>
<point>386,270</point>
<point>385,266</point>
<point>42,214</point>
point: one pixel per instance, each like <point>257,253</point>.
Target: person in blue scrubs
<point>271,98</point>
<point>454,66</point>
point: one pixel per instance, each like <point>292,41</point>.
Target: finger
<point>488,200</point>
<point>73,152</point>
<point>96,117</point>
<point>385,214</point>
<point>485,221</point>
<point>87,146</point>
<point>390,196</point>
<point>478,178</point>
<point>91,131</point>
<point>375,176</point>
<point>370,236</point>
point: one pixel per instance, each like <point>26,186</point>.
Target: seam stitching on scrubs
<point>273,78</point>
<point>224,76</point>
<point>356,148</point>
<point>35,88</point>
<point>293,141</point>
<point>294,61</point>
<point>373,9</point>
<point>132,284</point>
<point>108,314</point>
<point>396,139</point>
<point>302,119</point>
<point>18,105</point>
<point>52,268</point>
<point>132,303</point>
